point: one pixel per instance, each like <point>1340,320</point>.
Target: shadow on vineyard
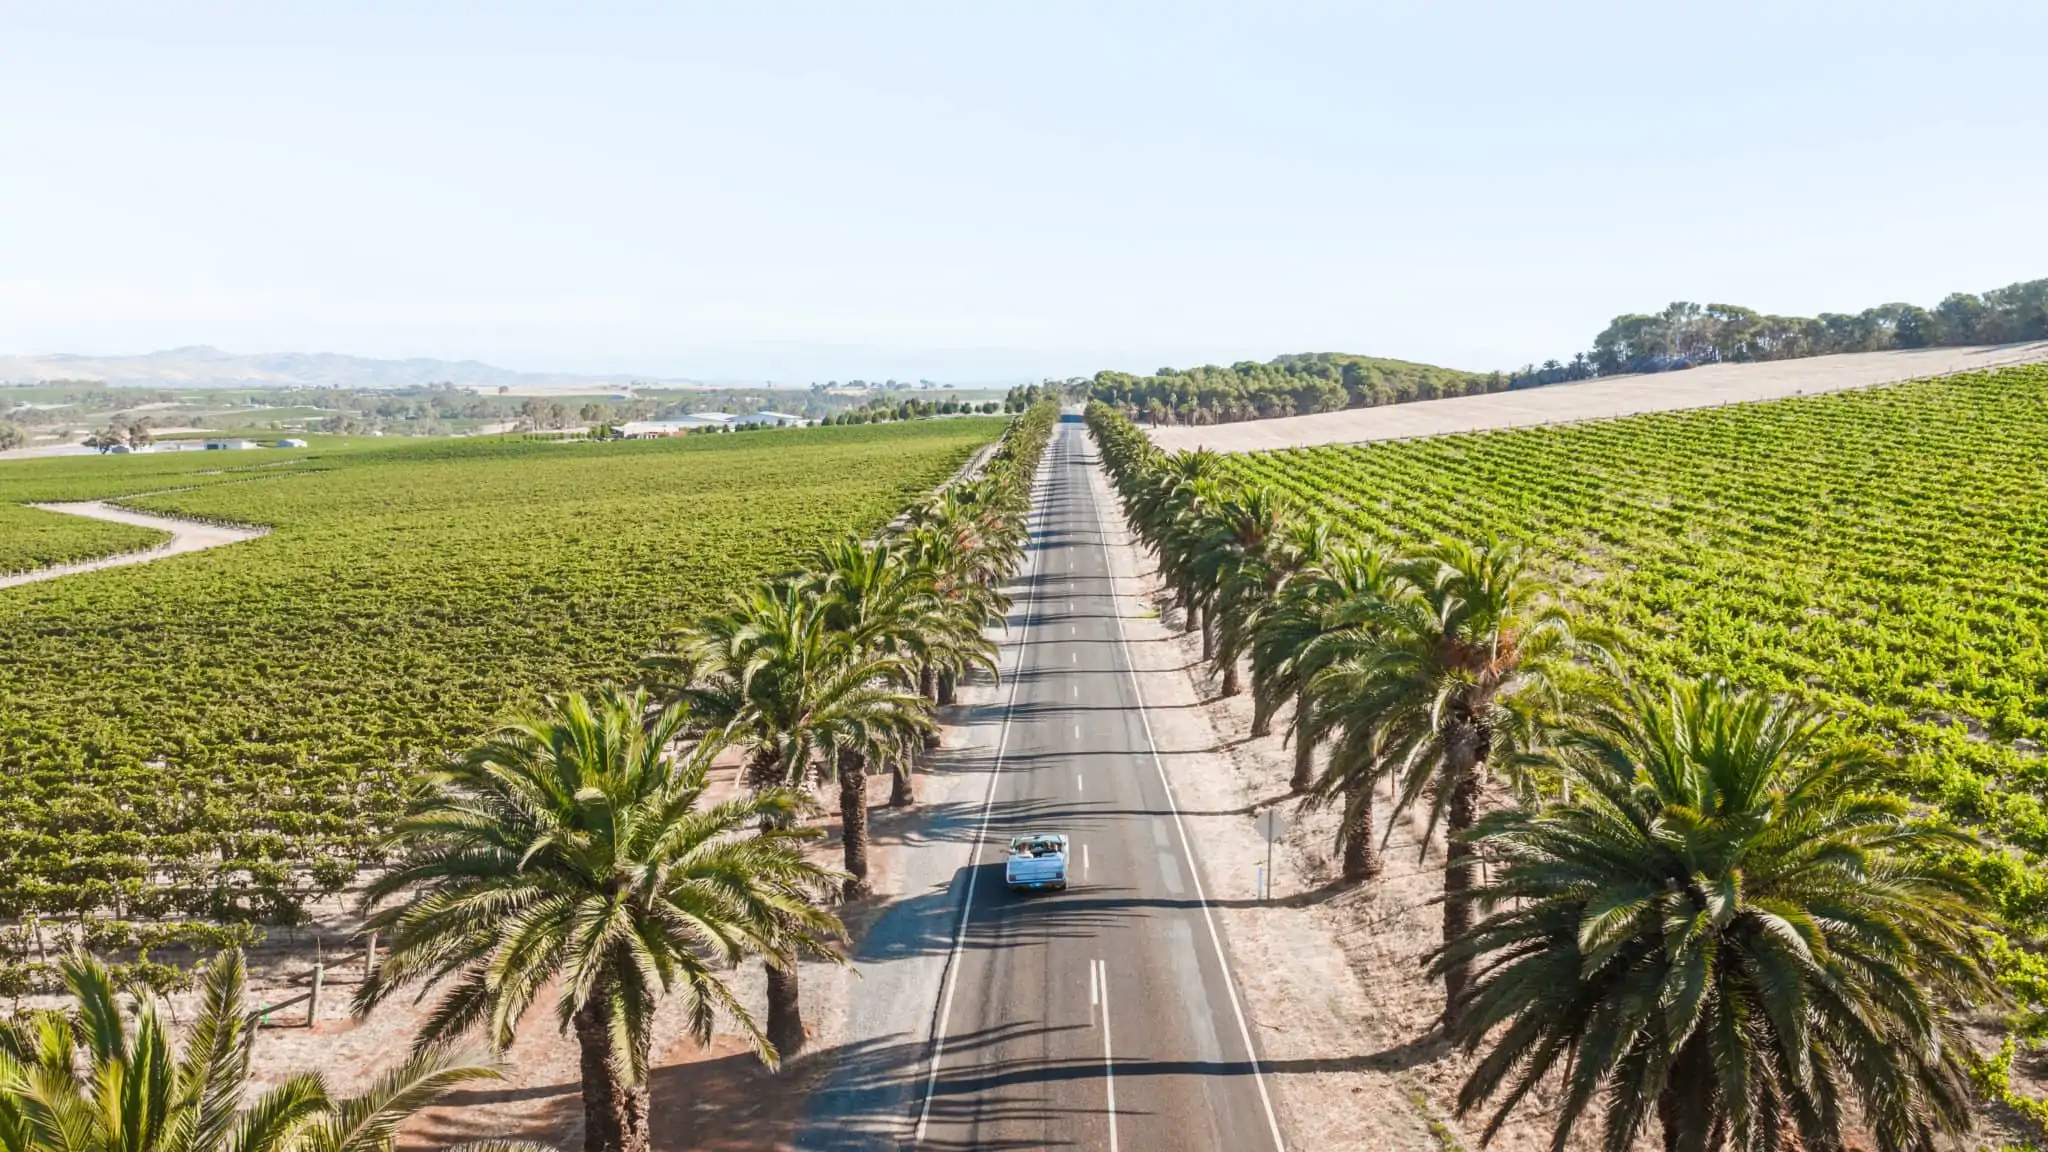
<point>220,738</point>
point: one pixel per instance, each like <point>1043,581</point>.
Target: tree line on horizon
<point>1683,335</point>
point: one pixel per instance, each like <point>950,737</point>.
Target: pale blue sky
<point>982,191</point>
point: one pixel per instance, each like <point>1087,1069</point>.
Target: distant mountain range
<point>202,366</point>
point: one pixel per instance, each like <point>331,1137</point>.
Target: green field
<point>31,538</point>
<point>1884,553</point>
<point>219,734</point>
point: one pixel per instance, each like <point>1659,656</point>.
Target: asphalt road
<point>1098,1017</point>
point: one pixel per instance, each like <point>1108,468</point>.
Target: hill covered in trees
<point>1683,335</point>
<point>1686,335</point>
<point>1291,385</point>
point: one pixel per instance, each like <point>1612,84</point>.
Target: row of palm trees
<point>576,849</point>
<point>575,855</point>
<point>1699,902</point>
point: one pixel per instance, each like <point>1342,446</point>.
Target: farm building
<point>770,419</point>
<point>291,442</point>
<point>655,429</point>
<point>233,443</point>
<point>702,422</point>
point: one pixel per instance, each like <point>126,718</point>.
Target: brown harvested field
<point>1597,399</point>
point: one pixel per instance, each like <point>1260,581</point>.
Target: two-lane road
<point>1103,1016</point>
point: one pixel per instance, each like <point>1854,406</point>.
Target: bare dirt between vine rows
<point>186,536</point>
<point>1707,387</point>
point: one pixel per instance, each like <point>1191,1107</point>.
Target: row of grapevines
<point>31,538</point>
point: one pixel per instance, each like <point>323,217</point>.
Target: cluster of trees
<point>882,411</point>
<point>11,435</point>
<point>123,433</point>
<point>1687,334</point>
<point>1698,902</point>
<point>1288,386</point>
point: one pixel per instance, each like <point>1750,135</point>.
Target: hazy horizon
<point>810,192</point>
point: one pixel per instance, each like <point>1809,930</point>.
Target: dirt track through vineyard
<point>186,536</point>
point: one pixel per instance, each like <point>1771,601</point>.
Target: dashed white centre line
<point>1077,731</point>
<point>1084,869</point>
<point>1079,786</point>
<point>1108,1058</point>
<point>1094,985</point>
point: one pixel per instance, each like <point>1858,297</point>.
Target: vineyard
<point>31,538</point>
<point>220,737</point>
<point>1882,553</point>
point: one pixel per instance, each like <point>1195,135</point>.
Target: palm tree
<point>1163,501</point>
<point>1337,614</point>
<point>90,1082</point>
<point>572,847</point>
<point>775,675</point>
<point>1288,647</point>
<point>1296,554</point>
<point>964,567</point>
<point>1734,921</point>
<point>875,596</point>
<point>1463,657</point>
<point>776,678</point>
<point>1241,561</point>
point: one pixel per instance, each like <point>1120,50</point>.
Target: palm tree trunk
<point>1461,764</point>
<point>928,687</point>
<point>1361,858</point>
<point>1187,607</point>
<point>1262,715</point>
<point>948,692</point>
<point>1231,684</point>
<point>853,823</point>
<point>1208,635</point>
<point>614,1113</point>
<point>1304,749</point>
<point>900,792</point>
<point>785,1011</point>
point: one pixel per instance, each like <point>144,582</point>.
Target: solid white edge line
<point>1108,1059</point>
<point>1173,806</point>
<point>931,1084</point>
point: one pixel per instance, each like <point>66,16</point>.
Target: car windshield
<point>1034,847</point>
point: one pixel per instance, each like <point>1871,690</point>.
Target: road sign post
<point>1273,826</point>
